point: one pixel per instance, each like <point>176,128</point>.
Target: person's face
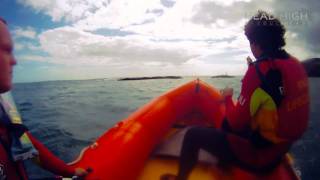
<point>255,49</point>
<point>7,60</point>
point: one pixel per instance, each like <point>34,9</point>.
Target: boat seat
<point>172,146</point>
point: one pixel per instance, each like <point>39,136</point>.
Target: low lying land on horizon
<point>222,76</point>
<point>146,78</point>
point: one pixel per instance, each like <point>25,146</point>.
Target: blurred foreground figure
<point>16,143</point>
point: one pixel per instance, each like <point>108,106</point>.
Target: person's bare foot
<point>168,177</point>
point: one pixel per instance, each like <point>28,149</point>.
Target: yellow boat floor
<point>158,166</point>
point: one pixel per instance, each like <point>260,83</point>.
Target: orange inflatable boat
<point>146,145</point>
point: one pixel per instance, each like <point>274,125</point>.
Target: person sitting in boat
<point>271,112</point>
<point>16,143</point>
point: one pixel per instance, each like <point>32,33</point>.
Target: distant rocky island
<point>222,76</point>
<point>312,67</point>
<point>146,78</point>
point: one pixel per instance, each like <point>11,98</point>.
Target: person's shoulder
<point>285,57</point>
<point>290,61</point>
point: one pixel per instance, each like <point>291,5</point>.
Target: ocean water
<point>66,116</point>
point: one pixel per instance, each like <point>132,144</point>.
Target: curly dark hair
<point>266,31</point>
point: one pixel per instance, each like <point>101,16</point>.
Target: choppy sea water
<point>66,116</point>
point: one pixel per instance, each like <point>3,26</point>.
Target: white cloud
<point>152,18</point>
<point>162,36</point>
<point>122,13</point>
<point>23,45</point>
<point>226,2</point>
<point>27,32</point>
<point>143,17</point>
<point>71,10</point>
<point>69,44</point>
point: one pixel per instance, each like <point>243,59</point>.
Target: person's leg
<point>209,139</point>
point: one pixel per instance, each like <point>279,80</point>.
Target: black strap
<point>272,83</point>
<point>4,121</point>
<point>259,141</point>
<point>18,129</point>
<point>261,76</point>
<point>4,118</point>
<point>6,146</point>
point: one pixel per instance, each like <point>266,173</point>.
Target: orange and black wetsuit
<point>259,129</point>
<point>10,170</point>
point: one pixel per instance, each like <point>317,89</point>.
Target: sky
<point>87,39</point>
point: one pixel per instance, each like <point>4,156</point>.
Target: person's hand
<point>227,91</point>
<point>80,172</point>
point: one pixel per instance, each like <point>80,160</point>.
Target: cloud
<point>164,19</point>
<point>136,13</point>
<point>69,44</point>
<point>303,19</point>
<point>300,18</point>
<point>177,23</point>
<point>210,12</point>
<point>154,37</point>
<point>23,45</point>
<point>70,11</point>
<point>27,32</point>
<point>167,3</point>
<point>163,36</point>
<point>94,14</point>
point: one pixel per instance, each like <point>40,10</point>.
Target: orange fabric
<point>128,144</point>
<point>121,153</point>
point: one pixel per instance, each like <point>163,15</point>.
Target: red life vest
<point>293,113</point>
<point>9,169</point>
<point>281,125</point>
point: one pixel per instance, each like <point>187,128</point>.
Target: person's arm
<point>238,113</point>
<point>49,161</point>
